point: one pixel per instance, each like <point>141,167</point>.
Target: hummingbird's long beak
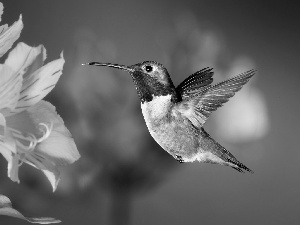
<point>122,67</point>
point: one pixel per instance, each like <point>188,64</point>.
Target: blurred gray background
<point>123,176</point>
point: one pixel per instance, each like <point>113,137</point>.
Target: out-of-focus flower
<point>30,129</point>
<point>6,209</point>
<point>245,117</point>
<point>8,35</point>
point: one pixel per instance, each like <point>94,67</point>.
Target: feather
<point>195,82</point>
<point>199,107</point>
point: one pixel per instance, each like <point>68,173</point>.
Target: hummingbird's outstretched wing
<point>195,83</point>
<point>199,106</point>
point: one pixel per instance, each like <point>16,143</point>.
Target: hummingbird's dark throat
<point>147,87</point>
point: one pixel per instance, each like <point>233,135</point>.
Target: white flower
<point>30,129</point>
<point>8,35</point>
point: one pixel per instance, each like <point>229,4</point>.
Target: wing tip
<point>248,74</point>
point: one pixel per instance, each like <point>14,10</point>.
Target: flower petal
<point>2,124</point>
<point>6,209</point>
<point>10,87</point>
<point>38,84</point>
<point>1,10</point>
<point>8,150</point>
<point>7,154</point>
<point>48,167</point>
<point>9,35</point>
<point>57,150</point>
<point>23,57</point>
<point>4,149</point>
<point>59,146</point>
<point>53,177</point>
<point>13,168</point>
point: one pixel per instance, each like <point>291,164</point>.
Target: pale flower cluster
<point>30,129</point>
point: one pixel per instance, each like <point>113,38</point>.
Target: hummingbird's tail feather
<point>216,153</point>
<point>240,167</point>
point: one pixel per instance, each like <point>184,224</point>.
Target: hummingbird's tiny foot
<point>179,159</point>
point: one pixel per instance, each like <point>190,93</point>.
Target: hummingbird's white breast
<point>155,113</point>
<point>156,109</point>
<point>168,128</point>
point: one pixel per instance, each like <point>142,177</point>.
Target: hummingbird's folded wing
<point>195,83</point>
<point>198,107</point>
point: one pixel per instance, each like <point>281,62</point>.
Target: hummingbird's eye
<point>148,68</point>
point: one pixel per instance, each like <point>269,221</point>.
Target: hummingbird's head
<point>150,78</point>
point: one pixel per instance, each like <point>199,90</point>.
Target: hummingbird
<point>175,115</point>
